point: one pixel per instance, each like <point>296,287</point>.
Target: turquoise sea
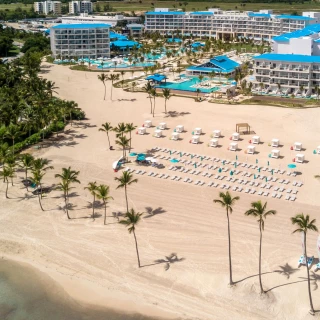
<point>26,294</point>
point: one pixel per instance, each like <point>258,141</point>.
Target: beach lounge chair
<point>281,189</point>
<point>185,179</point>
<point>274,195</point>
<point>166,176</point>
<point>150,174</point>
<point>295,191</point>
<point>299,184</point>
<point>201,183</point>
<point>234,188</point>
<point>204,174</point>
<point>190,181</point>
<point>266,193</point>
<point>247,190</point>
<point>210,184</point>
<point>263,185</point>
<point>226,186</point>
<point>209,175</point>
<point>222,186</point>
<point>293,198</point>
<point>317,267</point>
<point>173,177</point>
<point>276,188</point>
<point>252,191</point>
<point>260,192</point>
<point>286,181</point>
<point>287,197</point>
<point>256,184</point>
<point>289,190</point>
<point>302,261</point>
<point>240,189</point>
<point>279,195</point>
<point>178,178</point>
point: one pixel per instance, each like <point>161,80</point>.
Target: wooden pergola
<point>243,125</point>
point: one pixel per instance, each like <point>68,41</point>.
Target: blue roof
<point>124,43</point>
<point>299,58</point>
<point>203,13</point>
<point>286,16</point>
<point>217,64</point>
<point>118,36</point>
<point>165,13</point>
<point>259,15</point>
<point>197,44</point>
<point>81,26</point>
<point>307,31</point>
<point>156,77</point>
<point>176,40</point>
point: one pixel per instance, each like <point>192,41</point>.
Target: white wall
<point>294,46</point>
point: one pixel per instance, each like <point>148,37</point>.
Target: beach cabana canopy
<point>216,133</point>
<point>297,146</point>
<point>299,158</point>
<point>156,77</point>
<point>235,136</point>
<point>243,125</point>
<point>233,146</point>
<point>197,131</point>
<point>142,130</point>
<point>251,149</point>
<point>318,149</point>
<point>256,139</point>
<point>195,139</point>
<point>275,142</point>
<point>179,128</point>
<point>148,123</point>
<point>175,136</point>
<point>158,133</point>
<point>162,125</point>
<point>275,153</point>
<point>214,143</point>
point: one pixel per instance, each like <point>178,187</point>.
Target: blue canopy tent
<point>157,78</point>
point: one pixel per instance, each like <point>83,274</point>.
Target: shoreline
<point>76,293</point>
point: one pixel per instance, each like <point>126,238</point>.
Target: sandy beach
<point>96,264</point>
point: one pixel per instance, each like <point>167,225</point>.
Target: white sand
<point>97,264</point>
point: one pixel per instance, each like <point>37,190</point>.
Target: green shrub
<point>77,114</point>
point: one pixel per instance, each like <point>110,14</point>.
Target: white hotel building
<point>217,23</point>
<point>80,40</point>
<point>294,62</point>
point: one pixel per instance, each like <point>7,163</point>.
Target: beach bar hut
<point>275,153</point>
<point>179,128</point>
<point>275,143</point>
<point>195,139</point>
<point>251,149</point>
<point>197,131</point>
<point>233,146</point>
<point>213,143</point>
<point>255,139</point>
<point>297,146</point>
<point>175,136</point>
<point>162,125</point>
<point>142,130</point>
<point>318,150</point>
<point>158,133</point>
<point>148,123</point>
<point>299,158</point>
<point>216,133</point>
<point>235,136</point>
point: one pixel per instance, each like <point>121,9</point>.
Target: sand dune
<point>97,264</point>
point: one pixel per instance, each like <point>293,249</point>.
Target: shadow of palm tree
<point>286,270</point>
<point>254,275</point>
<point>152,212</point>
<point>314,279</point>
<point>285,284</point>
<point>172,258</point>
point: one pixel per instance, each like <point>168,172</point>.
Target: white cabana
<point>214,143</point>
<point>142,130</point>
<point>275,153</point>
<point>275,142</point>
<point>158,133</point>
<point>299,158</point>
<point>216,133</point>
<point>251,149</point>
<point>318,150</point>
<point>195,139</point>
<point>162,125</point>
<point>233,146</point>
<point>297,146</point>
<point>174,136</point>
<point>235,136</point>
<point>179,128</point>
<point>148,123</point>
<point>255,140</point>
<point>197,131</point>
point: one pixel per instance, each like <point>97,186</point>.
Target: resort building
<point>80,40</point>
<point>294,65</point>
<point>111,20</point>
<point>47,7</point>
<point>76,7</point>
<point>219,65</point>
<point>135,30</point>
<point>227,24</point>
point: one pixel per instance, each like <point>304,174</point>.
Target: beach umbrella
<point>254,176</point>
<point>266,179</point>
<point>268,163</point>
<point>201,158</point>
<point>220,170</point>
<point>236,157</point>
<point>259,170</point>
<point>191,155</point>
<point>170,152</point>
<point>195,165</point>
<point>257,161</point>
<point>231,173</point>
<point>235,164</point>
<point>292,166</point>
<point>223,162</point>
<point>180,154</point>
<point>174,160</point>
<point>132,154</point>
<point>272,171</point>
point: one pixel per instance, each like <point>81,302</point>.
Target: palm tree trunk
<point>125,191</point>
<point>105,212</point>
<point>66,197</point>
<point>13,146</point>
<point>7,189</point>
<point>308,274</point>
<point>108,139</point>
<point>94,200</point>
<point>105,89</point>
<point>165,105</point>
<point>154,105</point>
<point>40,202</point>
<point>111,90</point>
<point>150,104</point>
<point>130,142</point>
<point>260,281</point>
<point>229,238</point>
<point>26,172</point>
<point>135,239</point>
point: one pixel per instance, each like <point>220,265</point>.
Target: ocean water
<point>26,294</point>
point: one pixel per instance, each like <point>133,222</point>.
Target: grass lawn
<point>13,6</point>
<point>14,51</point>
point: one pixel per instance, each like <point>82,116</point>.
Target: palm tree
<point>201,76</point>
<point>121,129</point>
<point>125,180</point>
<point>147,88</point>
<point>166,94</point>
<point>259,210</point>
<point>36,178</point>
<point>50,87</point>
<point>226,201</point>
<point>304,225</point>
<point>103,78</point>
<point>67,177</point>
<point>13,132</point>
<point>133,85</point>
<point>26,160</point>
<point>113,77</point>
<point>106,127</point>
<point>153,93</point>
<point>130,127</point>
<point>92,188</point>
<point>103,194</point>
<point>131,220</point>
<point>124,143</point>
<point>198,91</point>
<point>6,173</point>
